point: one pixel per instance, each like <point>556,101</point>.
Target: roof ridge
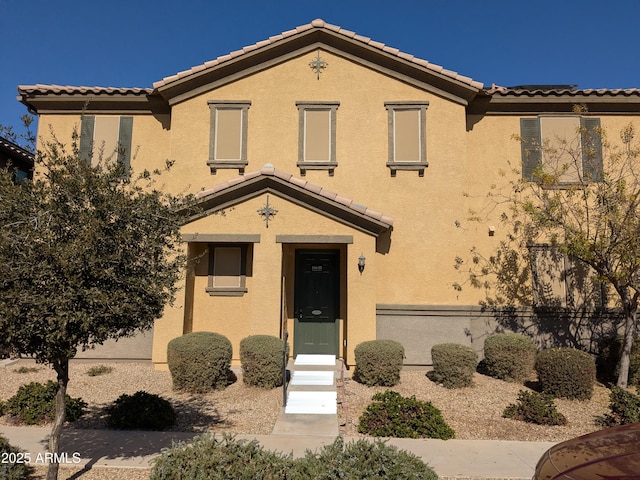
<point>319,23</point>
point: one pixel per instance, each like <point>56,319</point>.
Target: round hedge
<point>378,362</point>
<point>453,365</point>
<point>510,357</point>
<point>199,362</point>
<point>141,411</point>
<point>261,357</point>
<point>566,373</point>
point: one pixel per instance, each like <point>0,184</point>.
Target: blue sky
<point>134,43</point>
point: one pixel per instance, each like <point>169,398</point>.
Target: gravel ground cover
<point>474,412</point>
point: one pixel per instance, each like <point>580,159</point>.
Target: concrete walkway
<point>451,459</point>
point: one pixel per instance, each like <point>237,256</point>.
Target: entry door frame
<point>334,291</point>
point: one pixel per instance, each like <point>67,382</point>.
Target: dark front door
<point>317,287</point>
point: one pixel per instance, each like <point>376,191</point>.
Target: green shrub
<point>24,369</point>
<point>453,365</point>
<point>140,411</point>
<point>99,370</point>
<point>227,458</point>
<point>10,470</point>
<point>534,407</point>
<point>261,358</point>
<point>213,458</point>
<point>510,357</point>
<point>378,362</point>
<point>361,459</point>
<point>624,408</point>
<point>609,352</point>
<point>199,362</point>
<point>392,415</point>
<point>566,373</point>
<point>36,403</point>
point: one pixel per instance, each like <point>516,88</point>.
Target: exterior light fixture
<point>361,260</point>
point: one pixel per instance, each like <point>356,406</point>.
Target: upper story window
<point>106,137</point>
<point>407,136</point>
<point>228,135</point>
<point>317,136</point>
<point>567,146</point>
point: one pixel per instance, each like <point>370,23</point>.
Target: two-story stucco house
<point>344,168</point>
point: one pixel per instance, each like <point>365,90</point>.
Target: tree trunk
<point>630,309</point>
<point>62,369</point>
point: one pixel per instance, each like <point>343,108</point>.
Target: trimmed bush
<point>534,407</point>
<point>227,458</point>
<point>566,373</point>
<point>199,362</point>
<point>361,459</point>
<point>378,362</point>
<point>35,403</point>
<point>624,408</point>
<point>609,352</point>
<point>12,470</point>
<point>140,411</point>
<point>510,357</point>
<point>453,365</point>
<point>392,415</point>
<point>99,370</point>
<point>213,458</point>
<point>261,359</point>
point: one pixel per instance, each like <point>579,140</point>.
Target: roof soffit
<point>266,54</point>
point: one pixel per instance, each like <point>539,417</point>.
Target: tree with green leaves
<point>87,254</point>
<point>581,198</point>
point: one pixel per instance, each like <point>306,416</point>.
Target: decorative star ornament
<point>318,65</point>
<point>267,212</point>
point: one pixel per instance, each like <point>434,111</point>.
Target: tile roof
<point>320,25</point>
<point>269,170</point>
<point>560,92</point>
<point>16,150</point>
<point>69,89</point>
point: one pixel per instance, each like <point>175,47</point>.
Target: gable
<point>317,35</point>
<point>294,190</point>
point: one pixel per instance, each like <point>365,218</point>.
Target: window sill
<point>226,291</point>
<point>215,165</point>
<point>409,166</point>
<point>329,166</point>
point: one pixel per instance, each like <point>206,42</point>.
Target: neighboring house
<point>17,158</point>
<point>345,169</point>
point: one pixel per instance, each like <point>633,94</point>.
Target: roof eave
<point>245,190</point>
<point>49,103</point>
<point>553,102</point>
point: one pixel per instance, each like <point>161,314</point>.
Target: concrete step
<point>315,360</point>
<point>307,377</point>
<point>312,402</point>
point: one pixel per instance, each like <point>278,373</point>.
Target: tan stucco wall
<point>466,157</point>
<point>258,310</point>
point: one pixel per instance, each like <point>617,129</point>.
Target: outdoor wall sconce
<point>361,260</point>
